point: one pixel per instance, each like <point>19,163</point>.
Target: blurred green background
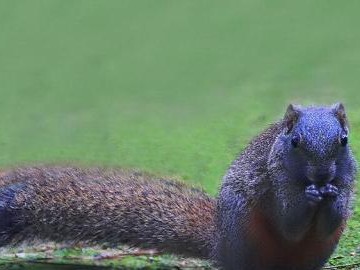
<point>171,87</point>
<point>175,87</point>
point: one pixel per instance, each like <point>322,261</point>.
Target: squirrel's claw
<point>329,190</point>
<point>313,194</point>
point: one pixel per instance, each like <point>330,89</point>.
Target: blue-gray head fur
<point>314,141</point>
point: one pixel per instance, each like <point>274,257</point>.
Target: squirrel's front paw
<point>313,194</point>
<point>329,191</point>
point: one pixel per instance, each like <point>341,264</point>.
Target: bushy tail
<point>9,226</point>
<point>112,206</point>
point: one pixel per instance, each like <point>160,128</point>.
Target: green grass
<point>43,256</point>
<point>172,87</point>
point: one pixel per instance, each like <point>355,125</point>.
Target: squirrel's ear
<point>339,111</point>
<point>291,116</point>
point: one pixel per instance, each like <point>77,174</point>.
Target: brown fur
<point>272,249</point>
<point>112,206</point>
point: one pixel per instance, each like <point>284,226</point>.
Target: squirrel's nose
<point>323,178</point>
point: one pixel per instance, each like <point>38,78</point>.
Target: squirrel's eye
<point>344,139</point>
<point>295,140</point>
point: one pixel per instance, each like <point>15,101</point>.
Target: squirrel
<point>283,203</point>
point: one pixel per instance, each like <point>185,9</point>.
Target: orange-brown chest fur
<point>272,249</point>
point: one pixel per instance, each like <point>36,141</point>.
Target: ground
<point>171,87</point>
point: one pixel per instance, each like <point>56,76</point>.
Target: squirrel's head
<point>315,140</point>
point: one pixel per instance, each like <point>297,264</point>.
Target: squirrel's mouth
<point>320,175</point>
